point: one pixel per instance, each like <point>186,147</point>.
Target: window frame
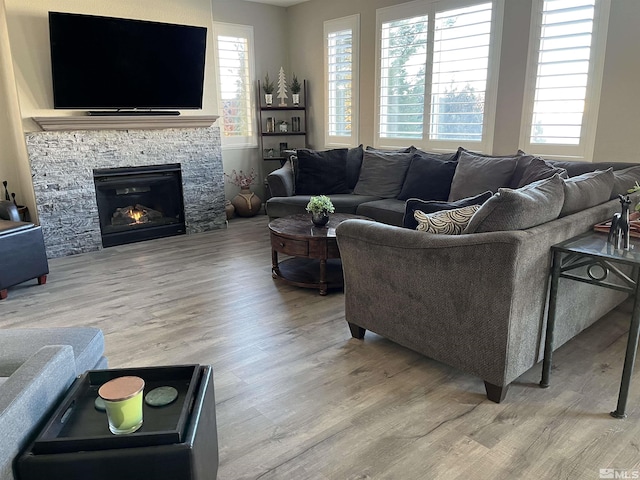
<point>351,22</point>
<point>584,150</point>
<point>430,8</point>
<point>240,31</point>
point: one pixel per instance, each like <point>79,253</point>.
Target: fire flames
<point>136,215</point>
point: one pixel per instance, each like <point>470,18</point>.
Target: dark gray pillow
<point>321,173</point>
<point>410,149</point>
<point>426,206</point>
<point>428,178</point>
<point>382,174</point>
<point>587,190</point>
<point>354,162</point>
<point>538,169</point>
<point>624,180</point>
<point>478,173</point>
<point>534,204</point>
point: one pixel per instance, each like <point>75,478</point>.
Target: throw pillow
<point>587,190</point>
<point>479,173</point>
<point>539,169</point>
<point>623,180</point>
<point>354,162</point>
<point>321,173</point>
<point>413,204</point>
<point>382,174</point>
<point>526,207</point>
<point>428,178</point>
<point>447,222</point>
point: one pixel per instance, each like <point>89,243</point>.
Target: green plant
<point>634,189</point>
<point>295,85</point>
<point>268,85</point>
<point>320,204</point>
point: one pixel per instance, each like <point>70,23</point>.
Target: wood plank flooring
<point>297,398</point>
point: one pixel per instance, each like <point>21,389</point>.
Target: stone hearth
<point>62,164</point>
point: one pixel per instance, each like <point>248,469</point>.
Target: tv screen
<point>116,63</point>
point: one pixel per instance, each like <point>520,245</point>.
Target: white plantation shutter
<point>234,65</point>
<point>341,80</point>
<point>565,72</point>
<point>437,73</point>
<point>403,58</point>
<point>460,70</point>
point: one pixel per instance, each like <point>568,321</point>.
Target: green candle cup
<point>123,400</point>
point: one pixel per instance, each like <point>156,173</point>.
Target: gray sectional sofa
<point>37,366</point>
<point>475,301</point>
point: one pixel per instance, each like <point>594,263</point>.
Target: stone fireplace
<point>63,164</point>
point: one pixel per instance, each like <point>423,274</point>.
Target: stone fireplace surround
<point>62,164</point>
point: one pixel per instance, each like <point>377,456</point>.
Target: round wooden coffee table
<point>315,261</point>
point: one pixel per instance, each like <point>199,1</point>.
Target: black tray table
<point>176,442</point>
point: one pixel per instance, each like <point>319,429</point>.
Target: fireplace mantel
<point>123,122</point>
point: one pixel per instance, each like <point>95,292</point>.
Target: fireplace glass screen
<point>139,203</point>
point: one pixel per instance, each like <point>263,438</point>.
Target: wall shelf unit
<point>274,141</point>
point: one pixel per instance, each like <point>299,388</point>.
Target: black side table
<point>592,250</point>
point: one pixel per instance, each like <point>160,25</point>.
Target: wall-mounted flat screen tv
<point>116,63</point>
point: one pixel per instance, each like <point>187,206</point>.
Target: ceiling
<point>280,3</point>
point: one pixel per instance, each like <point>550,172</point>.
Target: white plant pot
<point>268,99</point>
<point>296,98</point>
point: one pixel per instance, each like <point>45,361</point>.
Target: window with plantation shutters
<point>437,73</point>
<point>233,49</point>
<point>341,38</point>
<point>564,77</point>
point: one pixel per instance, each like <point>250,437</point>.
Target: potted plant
<point>295,90</point>
<point>268,87</point>
<point>320,207</point>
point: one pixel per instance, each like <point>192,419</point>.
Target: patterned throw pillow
<point>446,222</point>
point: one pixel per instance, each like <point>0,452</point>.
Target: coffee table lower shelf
<point>306,272</point>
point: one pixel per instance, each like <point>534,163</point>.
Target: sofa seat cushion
<point>278,207</point>
<point>534,204</point>
<point>320,173</point>
<point>382,174</point>
<point>414,204</point>
<point>429,177</point>
<point>387,210</point>
<point>18,344</point>
<point>477,173</point>
<point>587,190</point>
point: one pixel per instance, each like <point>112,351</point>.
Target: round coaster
<point>99,404</point>
<point>161,396</point>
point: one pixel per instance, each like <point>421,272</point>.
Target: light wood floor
<point>297,398</point>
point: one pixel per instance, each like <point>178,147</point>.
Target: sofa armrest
<point>27,397</point>
<point>281,181</point>
<point>435,294</point>
<point>8,211</point>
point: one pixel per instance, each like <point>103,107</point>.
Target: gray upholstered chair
<point>22,251</point>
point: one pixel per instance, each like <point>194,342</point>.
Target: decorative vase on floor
<point>320,219</point>
<point>246,203</point>
<point>229,209</point>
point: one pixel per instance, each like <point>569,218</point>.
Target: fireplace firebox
<point>139,203</point>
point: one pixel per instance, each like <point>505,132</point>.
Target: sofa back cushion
<point>320,173</point>
<point>354,163</point>
<point>624,180</point>
<point>587,190</point>
<point>429,177</point>
<point>534,204</point>
<point>382,173</point>
<point>414,204</point>
<point>539,169</point>
<point>477,173</point>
